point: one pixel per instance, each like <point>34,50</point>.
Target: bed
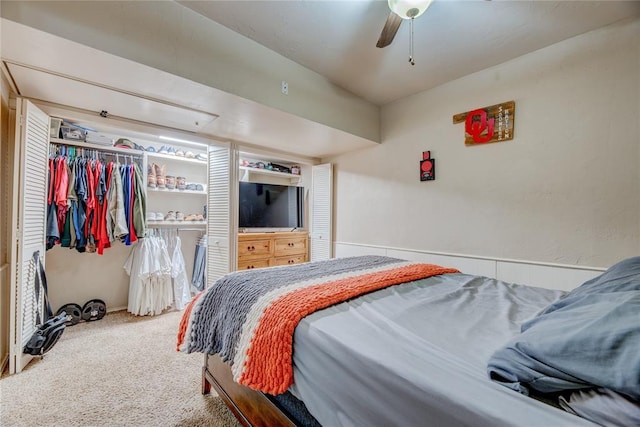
<point>380,341</point>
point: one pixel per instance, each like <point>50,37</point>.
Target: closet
<point>204,228</point>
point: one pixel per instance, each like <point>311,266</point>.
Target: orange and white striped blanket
<point>249,317</point>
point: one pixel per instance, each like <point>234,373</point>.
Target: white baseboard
<point>543,275</point>
<point>112,309</point>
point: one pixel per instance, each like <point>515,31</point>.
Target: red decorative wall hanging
<point>488,124</point>
<point>427,167</point>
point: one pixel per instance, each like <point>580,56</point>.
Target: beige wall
<point>5,185</point>
<point>75,277</point>
<point>172,38</point>
<point>565,190</point>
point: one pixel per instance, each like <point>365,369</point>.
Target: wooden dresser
<point>257,250</point>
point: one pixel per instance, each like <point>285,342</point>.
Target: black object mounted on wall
<point>427,167</point>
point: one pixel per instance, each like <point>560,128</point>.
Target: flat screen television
<point>270,206</point>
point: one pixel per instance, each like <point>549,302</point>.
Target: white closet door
<point>322,206</point>
<point>28,224</point>
<point>222,211</point>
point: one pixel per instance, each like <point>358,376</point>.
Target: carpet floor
<point>122,370</point>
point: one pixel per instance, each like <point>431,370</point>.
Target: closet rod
<point>126,151</point>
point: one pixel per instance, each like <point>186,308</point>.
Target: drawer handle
<point>291,261</point>
<point>251,248</point>
<point>290,244</point>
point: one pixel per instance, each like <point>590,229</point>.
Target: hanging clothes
<point>199,276</point>
<point>72,199</point>
<point>53,231</point>
<point>91,202</point>
<point>81,216</point>
<point>181,290</point>
<point>118,221</point>
<point>66,239</point>
<point>126,188</point>
<point>102,233</point>
<point>61,189</point>
<point>149,270</point>
<point>91,207</point>
<point>139,204</point>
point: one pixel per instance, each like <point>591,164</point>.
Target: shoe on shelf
<point>199,187</point>
<point>190,217</point>
<point>200,156</point>
<point>151,176</point>
<point>198,217</point>
<point>160,176</point>
<point>171,151</point>
<point>181,182</point>
<point>189,155</point>
<point>170,182</point>
<point>171,216</point>
<point>151,216</point>
<point>179,152</point>
<point>191,186</point>
<point>164,150</point>
<point>150,149</point>
<point>179,216</point>
<point>159,216</point>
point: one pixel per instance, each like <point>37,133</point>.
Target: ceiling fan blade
<point>389,30</point>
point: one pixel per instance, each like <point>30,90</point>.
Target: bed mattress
<point>416,354</point>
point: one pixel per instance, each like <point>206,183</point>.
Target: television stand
<point>269,249</point>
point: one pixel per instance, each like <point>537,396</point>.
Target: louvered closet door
<point>28,223</point>
<point>222,211</point>
<point>322,205</point>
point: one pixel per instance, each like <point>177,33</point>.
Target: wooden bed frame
<point>250,407</point>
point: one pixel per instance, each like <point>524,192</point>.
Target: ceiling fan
<point>400,9</point>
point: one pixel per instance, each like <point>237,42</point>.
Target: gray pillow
<point>590,337</point>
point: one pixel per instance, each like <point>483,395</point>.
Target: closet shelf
<point>90,146</point>
<point>176,191</point>
<point>176,224</point>
<point>152,155</point>
<point>248,171</point>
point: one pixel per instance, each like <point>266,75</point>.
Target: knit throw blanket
<point>248,318</point>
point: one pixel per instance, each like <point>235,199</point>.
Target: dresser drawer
<point>294,245</point>
<point>292,259</point>
<point>256,263</point>
<point>254,249</point>
<point>268,249</point>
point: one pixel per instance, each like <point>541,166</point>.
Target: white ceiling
<point>452,39</point>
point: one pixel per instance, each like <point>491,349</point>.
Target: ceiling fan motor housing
<point>409,9</point>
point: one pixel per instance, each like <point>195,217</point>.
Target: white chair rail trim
<point>541,274</point>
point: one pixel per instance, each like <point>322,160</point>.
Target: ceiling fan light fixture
<point>409,9</point>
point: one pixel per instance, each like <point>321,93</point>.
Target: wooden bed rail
<point>250,407</point>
